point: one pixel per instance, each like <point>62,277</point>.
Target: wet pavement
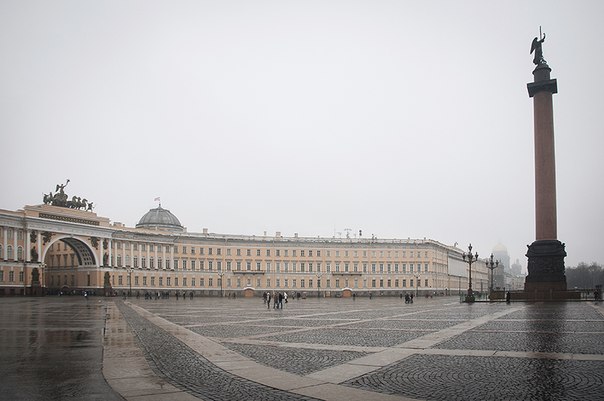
<point>51,349</point>
<point>332,349</point>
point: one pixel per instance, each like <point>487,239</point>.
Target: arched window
<point>1,254</point>
<point>9,252</point>
<point>151,263</point>
<point>19,253</point>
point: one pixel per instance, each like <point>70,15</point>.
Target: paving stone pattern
<point>231,330</point>
<point>448,378</point>
<point>299,361</point>
<point>572,343</point>
<point>353,337</point>
<point>186,369</point>
<point>297,340</point>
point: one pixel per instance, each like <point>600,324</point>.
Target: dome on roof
<point>160,219</point>
<point>500,248</point>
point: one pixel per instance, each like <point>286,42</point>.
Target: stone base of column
<point>545,266</point>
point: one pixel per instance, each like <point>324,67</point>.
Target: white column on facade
<point>40,247</point>
<point>140,256</point>
<point>27,246</point>
<point>100,252</point>
<point>172,257</point>
<point>123,254</point>
<point>115,252</point>
<point>148,255</point>
<point>5,236</point>
<point>15,246</point>
<point>110,251</point>
<point>163,247</point>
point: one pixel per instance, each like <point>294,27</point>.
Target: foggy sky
<point>398,118</point>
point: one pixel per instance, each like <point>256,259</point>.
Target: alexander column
<point>546,254</point>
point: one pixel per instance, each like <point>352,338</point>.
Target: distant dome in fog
<point>500,248</point>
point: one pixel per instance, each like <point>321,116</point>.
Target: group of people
<point>408,298</point>
<point>278,299</point>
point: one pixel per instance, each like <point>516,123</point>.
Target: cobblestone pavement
<point>438,377</point>
<point>434,349</point>
<point>186,369</point>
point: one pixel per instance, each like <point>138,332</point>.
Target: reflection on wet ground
<point>51,349</point>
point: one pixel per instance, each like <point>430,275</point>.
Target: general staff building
<point>50,249</point>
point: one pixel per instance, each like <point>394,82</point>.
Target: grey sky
<point>399,118</point>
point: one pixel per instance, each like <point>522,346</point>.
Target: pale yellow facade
<point>76,250</point>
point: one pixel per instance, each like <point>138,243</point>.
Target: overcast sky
<point>398,118</point>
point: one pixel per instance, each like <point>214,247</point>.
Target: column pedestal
<point>545,266</point>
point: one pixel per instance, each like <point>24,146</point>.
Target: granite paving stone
<point>188,370</point>
<point>449,378</point>
<point>301,361</point>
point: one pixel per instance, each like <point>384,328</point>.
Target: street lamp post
<point>468,257</point>
<point>492,265</point>
<point>319,285</point>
